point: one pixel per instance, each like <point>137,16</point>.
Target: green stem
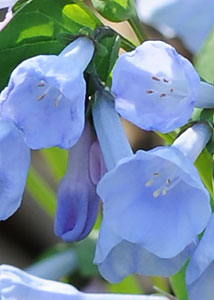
<point>137,28</point>
<point>126,44</point>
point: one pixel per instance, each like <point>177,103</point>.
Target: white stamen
<point>41,83</point>
<point>149,183</point>
<point>155,78</point>
<point>156,193</point>
<point>164,191</point>
<point>56,102</point>
<point>174,184</point>
<point>149,91</point>
<point>168,181</point>
<point>41,97</point>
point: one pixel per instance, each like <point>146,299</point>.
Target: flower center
<point>161,184</point>
<point>42,84</point>
<point>165,87</point>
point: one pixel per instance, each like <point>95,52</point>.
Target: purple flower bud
<point>78,202</point>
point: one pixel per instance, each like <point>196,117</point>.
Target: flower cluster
<point>154,202</point>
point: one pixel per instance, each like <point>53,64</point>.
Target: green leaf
<point>56,159</point>
<point>104,64</point>
<point>178,284</point>
<point>85,253</point>
<point>41,191</point>
<point>204,164</point>
<point>35,27</point>
<point>115,10</point>
<point>161,283</point>
<point>204,61</point>
<point>128,285</point>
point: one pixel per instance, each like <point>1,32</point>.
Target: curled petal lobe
<point>14,164</point>
<point>45,96</point>
<point>155,87</point>
<point>117,258</point>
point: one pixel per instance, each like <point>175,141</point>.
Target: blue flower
<point>14,164</point>
<point>161,195</point>
<point>200,271</point>
<point>190,20</point>
<point>155,87</point>
<point>78,202</point>
<point>45,96</point>
<point>17,284</point>
<point>154,202</point>
<point>117,258</point>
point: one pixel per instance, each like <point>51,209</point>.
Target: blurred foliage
<point>204,61</point>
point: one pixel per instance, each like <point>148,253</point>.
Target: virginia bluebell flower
<point>14,164</point>
<point>200,271</point>
<point>190,20</point>
<point>45,96</point>
<point>19,285</point>
<point>77,204</point>
<point>152,199</point>
<point>155,87</point>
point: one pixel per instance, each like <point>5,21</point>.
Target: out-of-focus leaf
<point>56,158</point>
<point>178,284</point>
<point>41,191</point>
<point>35,27</point>
<point>204,61</point>
<point>85,254</point>
<point>161,283</point>
<point>115,10</point>
<point>204,164</point>
<point>129,285</point>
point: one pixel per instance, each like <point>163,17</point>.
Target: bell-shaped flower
<point>200,271</point>
<point>19,285</point>
<point>77,204</point>
<point>190,20</point>
<point>152,199</point>
<point>155,87</point>
<point>14,164</point>
<point>45,96</point>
